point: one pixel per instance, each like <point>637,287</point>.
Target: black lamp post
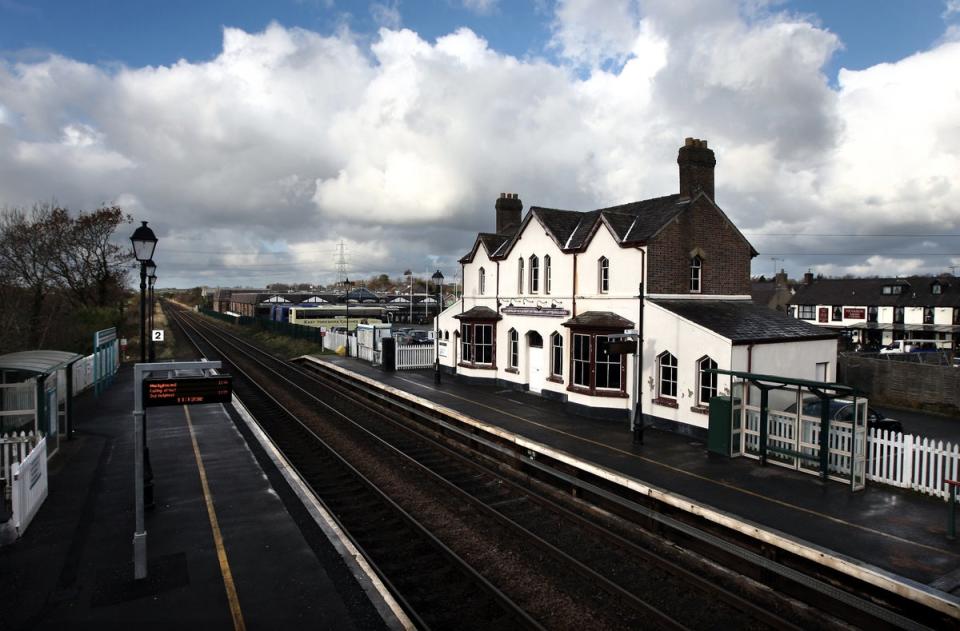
<point>151,280</point>
<point>409,276</point>
<point>348,285</point>
<point>438,281</point>
<point>144,243</point>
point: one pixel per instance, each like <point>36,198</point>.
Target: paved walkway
<point>73,566</point>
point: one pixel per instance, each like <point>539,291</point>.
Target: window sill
<point>609,394</point>
<point>555,379</point>
<point>666,402</point>
<point>699,409</point>
<point>477,366</point>
<point>514,371</point>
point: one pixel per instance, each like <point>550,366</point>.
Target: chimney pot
<point>509,211</point>
<point>696,162</point>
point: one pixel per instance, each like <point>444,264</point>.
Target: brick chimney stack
<point>808,278</point>
<point>696,162</point>
<point>509,210</point>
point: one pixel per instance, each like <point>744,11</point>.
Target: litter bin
<point>388,354</point>
<point>719,429</point>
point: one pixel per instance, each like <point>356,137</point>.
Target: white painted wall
<point>688,342</point>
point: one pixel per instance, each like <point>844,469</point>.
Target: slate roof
<point>479,313</point>
<point>635,222</point>
<point>744,322</point>
<point>491,241</point>
<point>869,291</point>
<point>599,320</point>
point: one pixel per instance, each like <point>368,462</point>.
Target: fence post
<point>906,470</point>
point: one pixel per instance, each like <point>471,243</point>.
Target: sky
<point>256,137</point>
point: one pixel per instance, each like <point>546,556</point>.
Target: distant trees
<point>58,270</point>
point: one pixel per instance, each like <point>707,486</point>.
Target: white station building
<point>547,296</point>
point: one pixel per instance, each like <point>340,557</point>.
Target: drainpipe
<point>638,358</point>
<point>573,308</point>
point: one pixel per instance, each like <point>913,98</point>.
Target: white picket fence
<point>28,486</point>
<point>82,374</point>
<point>912,462</point>
<point>413,356</point>
<point>333,341</point>
<point>14,448</point>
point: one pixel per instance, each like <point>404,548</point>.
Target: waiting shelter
<point>36,395</point>
<point>812,426</point>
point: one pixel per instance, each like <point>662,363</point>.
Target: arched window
<point>534,274</point>
<point>556,355</point>
<point>546,274</point>
<point>514,348</point>
<point>706,381</point>
<point>667,375</point>
<point>696,267</point>
<point>603,275</point>
<point>520,275</point>
<point>482,280</point>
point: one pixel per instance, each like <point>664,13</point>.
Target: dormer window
<point>603,269</point>
<point>696,267</point>
<point>936,288</point>
<point>892,290</point>
<point>482,281</point>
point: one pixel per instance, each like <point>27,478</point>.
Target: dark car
<point>421,337</point>
<point>842,410</point>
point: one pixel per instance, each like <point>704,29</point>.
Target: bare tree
<point>26,250</point>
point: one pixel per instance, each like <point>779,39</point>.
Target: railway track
<point>611,574</point>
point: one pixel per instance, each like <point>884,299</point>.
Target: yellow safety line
<point>232,598</point>
<point>688,473</point>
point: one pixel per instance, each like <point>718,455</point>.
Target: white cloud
<point>386,14</point>
<point>481,7</point>
<point>950,8</point>
<point>288,141</point>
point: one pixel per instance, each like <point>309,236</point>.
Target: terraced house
<point>874,312</point>
<point>548,297</point>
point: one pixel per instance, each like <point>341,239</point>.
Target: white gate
<point>29,486</point>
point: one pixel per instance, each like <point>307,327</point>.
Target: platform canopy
<point>38,362</point>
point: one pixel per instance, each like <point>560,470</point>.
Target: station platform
<point>230,544</point>
<point>899,532</point>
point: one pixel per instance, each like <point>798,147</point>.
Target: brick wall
<point>726,255</point>
<point>903,383</point>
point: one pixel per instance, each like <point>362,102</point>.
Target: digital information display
<point>187,390</point>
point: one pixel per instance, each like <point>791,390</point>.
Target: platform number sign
<point>157,335</point>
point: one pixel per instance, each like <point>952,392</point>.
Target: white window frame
<point>482,281</point>
<point>603,275</point>
<point>546,274</point>
<point>575,361</point>
<point>666,375</point>
<point>534,274</point>
<point>556,346</point>
<point>696,274</point>
<point>705,380</point>
<point>514,346</point>
<point>607,365</point>
<point>807,312</point>
<point>520,275</point>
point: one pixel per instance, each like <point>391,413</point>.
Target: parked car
<point>842,410</point>
<point>421,337</point>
